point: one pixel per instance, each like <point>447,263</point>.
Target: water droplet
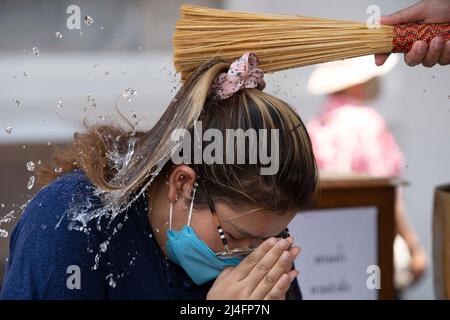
<point>30,183</point>
<point>101,27</point>
<point>140,48</point>
<point>17,102</point>
<point>119,226</point>
<point>43,226</point>
<point>133,115</point>
<point>58,34</point>
<point>39,162</point>
<point>106,73</point>
<point>2,205</point>
<point>88,20</point>
<point>111,281</point>
<point>95,66</point>
<point>60,104</point>
<point>49,143</point>
<point>35,51</point>
<point>3,233</point>
<point>8,129</point>
<point>101,118</point>
<point>24,147</point>
<point>25,74</point>
<point>58,170</point>
<point>30,166</point>
<point>96,259</point>
<point>128,93</point>
<point>104,246</point>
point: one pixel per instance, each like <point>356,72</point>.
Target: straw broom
<point>282,42</point>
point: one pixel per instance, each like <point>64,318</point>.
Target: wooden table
<point>341,192</point>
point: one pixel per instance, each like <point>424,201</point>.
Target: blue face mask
<point>187,250</point>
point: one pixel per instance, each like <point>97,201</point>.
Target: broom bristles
<point>280,41</point>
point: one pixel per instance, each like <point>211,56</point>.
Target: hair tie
<point>243,73</point>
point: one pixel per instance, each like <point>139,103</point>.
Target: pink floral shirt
<point>351,138</point>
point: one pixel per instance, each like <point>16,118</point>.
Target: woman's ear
<point>181,181</point>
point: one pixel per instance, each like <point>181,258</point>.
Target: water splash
<point>104,246</point>
<point>58,34</point>
<point>17,102</point>
<point>35,51</point>
<point>30,183</point>
<point>88,20</point>
<point>60,104</point>
<point>30,166</point>
<point>110,280</point>
<point>92,102</point>
<point>7,218</point>
<point>128,93</point>
<point>8,129</point>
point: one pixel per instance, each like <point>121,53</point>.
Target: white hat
<point>338,75</point>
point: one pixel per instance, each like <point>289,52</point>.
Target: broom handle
<point>404,35</point>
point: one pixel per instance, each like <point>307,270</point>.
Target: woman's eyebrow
<point>243,232</point>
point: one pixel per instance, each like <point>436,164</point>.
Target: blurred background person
<point>351,138</point>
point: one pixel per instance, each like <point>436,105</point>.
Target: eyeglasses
<point>236,252</point>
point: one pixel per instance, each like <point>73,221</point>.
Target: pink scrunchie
<point>242,73</point>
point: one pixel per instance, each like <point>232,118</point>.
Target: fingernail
<point>282,243</point>
<point>272,241</point>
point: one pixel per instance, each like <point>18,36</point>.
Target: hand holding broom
<point>430,11</point>
<point>282,42</point>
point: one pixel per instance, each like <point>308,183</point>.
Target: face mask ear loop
<point>170,215</point>
<point>192,205</point>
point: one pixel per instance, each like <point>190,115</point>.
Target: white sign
<point>339,258</point>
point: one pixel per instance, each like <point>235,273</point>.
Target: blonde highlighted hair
<point>293,186</point>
